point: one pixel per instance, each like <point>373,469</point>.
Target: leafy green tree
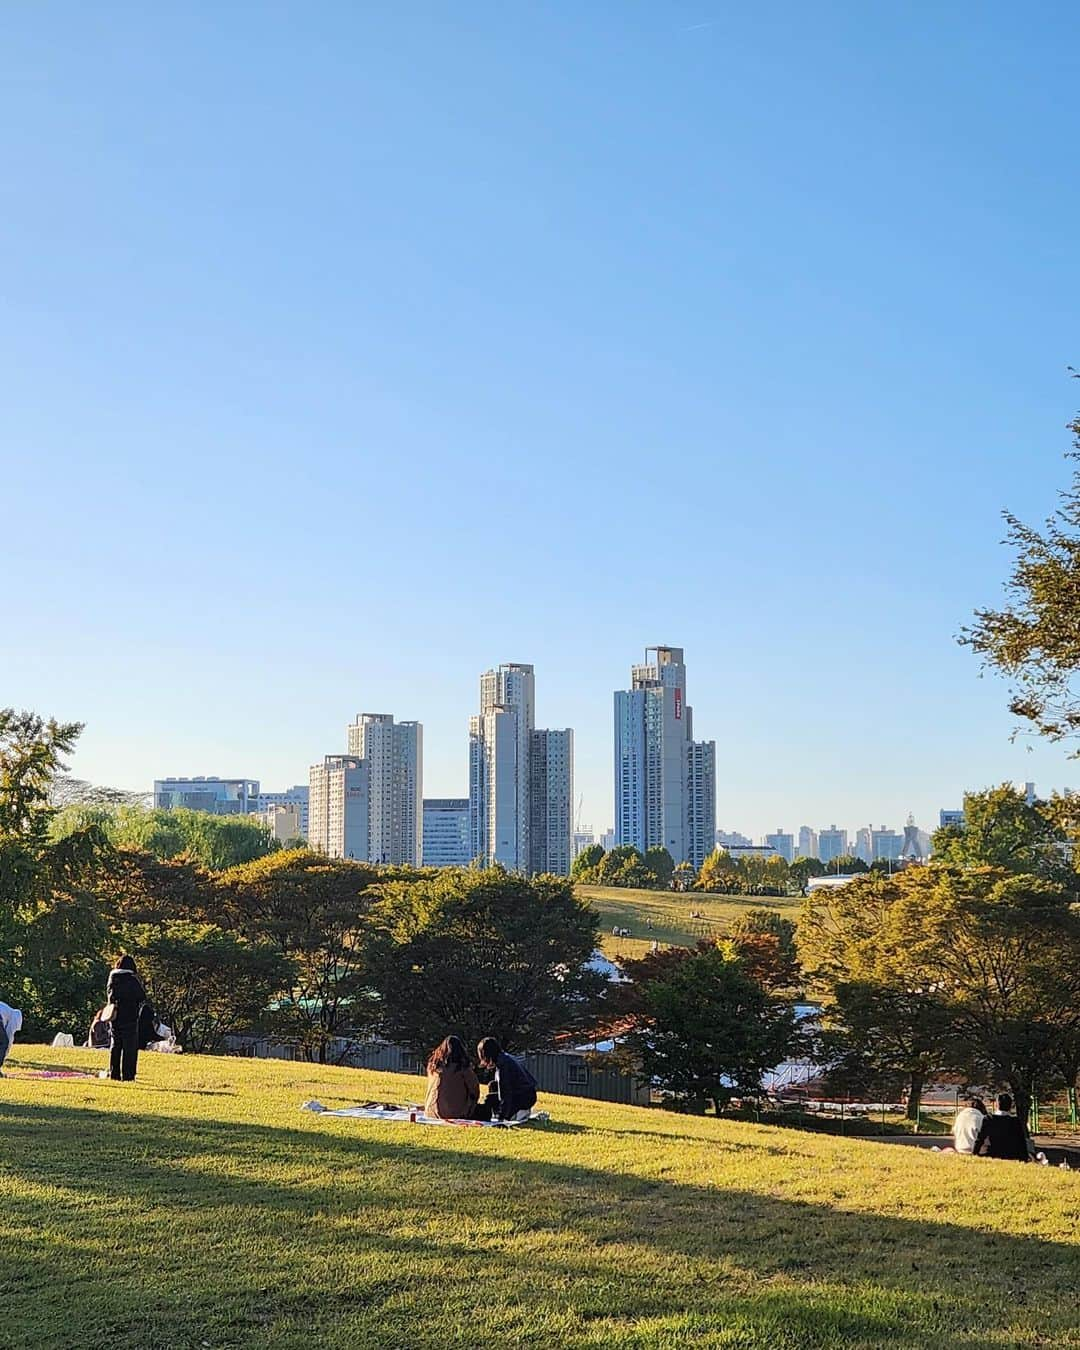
<point>216,842</point>
<point>802,869</point>
<point>1001,829</point>
<point>660,865</point>
<point>705,1030</point>
<point>1035,640</point>
<point>754,921</point>
<point>316,912</point>
<point>847,865</point>
<point>479,953</point>
<point>51,937</point>
<point>206,983</point>
<point>584,866</point>
<point>720,873</point>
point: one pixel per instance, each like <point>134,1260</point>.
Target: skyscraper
<point>808,842</point>
<point>665,782</point>
<point>521,780</point>
<point>394,754</point>
<point>338,800</point>
<point>832,843</point>
<point>446,832</point>
<point>782,844</point>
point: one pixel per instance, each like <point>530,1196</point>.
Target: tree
<point>883,1015</point>
<point>720,873</point>
<point>485,953</point>
<point>802,869</point>
<point>1002,829</point>
<point>1035,640</point>
<point>847,865</point>
<point>705,1030</point>
<point>216,842</point>
<point>660,865</point>
<point>586,862</point>
<point>206,983</point>
<point>51,937</point>
<point>315,912</point>
<point>767,921</point>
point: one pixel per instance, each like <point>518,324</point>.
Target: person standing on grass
<point>126,994</point>
<point>1003,1135</point>
<point>513,1093</point>
<point>453,1087</point>
<point>10,1023</point>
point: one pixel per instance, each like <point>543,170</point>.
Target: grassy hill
<point>669,914</point>
<point>201,1208</point>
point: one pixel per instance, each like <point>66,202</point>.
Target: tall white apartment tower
<point>338,807</point>
<point>521,780</point>
<point>665,781</point>
<point>394,755</point>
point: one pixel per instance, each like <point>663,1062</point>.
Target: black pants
<point>125,1052</point>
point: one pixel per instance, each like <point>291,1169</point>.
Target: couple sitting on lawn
<point>454,1090</point>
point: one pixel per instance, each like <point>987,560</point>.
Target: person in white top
<point>10,1023</point>
<point>967,1124</point>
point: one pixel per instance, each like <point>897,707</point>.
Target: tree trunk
<point>915,1089</point>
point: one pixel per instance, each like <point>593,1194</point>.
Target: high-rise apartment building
<point>832,843</point>
<point>338,804</point>
<point>885,845</point>
<point>808,842</point>
<point>733,839</point>
<point>551,801</point>
<point>783,845</point>
<point>521,780</point>
<point>394,754</point>
<point>665,782</point>
<point>864,844</point>
<point>446,832</point>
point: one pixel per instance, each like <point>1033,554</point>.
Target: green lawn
<point>201,1208</point>
<point>669,914</point>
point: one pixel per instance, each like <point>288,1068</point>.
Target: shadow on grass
<point>342,1245</point>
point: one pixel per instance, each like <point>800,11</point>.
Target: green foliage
<point>485,953</point>
<point>1001,829</point>
<point>706,1031</point>
<point>204,982</point>
<point>1035,640</point>
<point>216,842</point>
<point>315,912</point>
<point>802,869</point>
<point>582,867</point>
<point>847,865</point>
<point>661,866</point>
<point>744,876</point>
<point>767,921</point>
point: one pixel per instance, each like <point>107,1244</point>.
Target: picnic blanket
<point>49,1073</point>
<point>412,1114</point>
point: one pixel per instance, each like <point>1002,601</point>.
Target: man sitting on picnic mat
<point>512,1095</point>
<point>10,1023</point>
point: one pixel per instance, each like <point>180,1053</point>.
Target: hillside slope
<point>665,916</point>
<point>201,1208</point>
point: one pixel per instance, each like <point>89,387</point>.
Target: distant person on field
<point>967,1124</point>
<point>10,1023</point>
<point>126,994</point>
<point>453,1088</point>
<point>513,1093</point>
<point>99,1037</point>
<point>1003,1135</point>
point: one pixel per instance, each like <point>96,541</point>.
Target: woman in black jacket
<point>127,995</point>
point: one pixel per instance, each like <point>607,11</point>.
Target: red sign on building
<point>678,705</point>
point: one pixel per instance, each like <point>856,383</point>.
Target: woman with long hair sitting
<point>453,1088</point>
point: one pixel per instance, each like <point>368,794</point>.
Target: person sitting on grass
<point>968,1123</point>
<point>10,1023</point>
<point>513,1093</point>
<point>453,1087</point>
<point>1003,1135</point>
<point>99,1036</point>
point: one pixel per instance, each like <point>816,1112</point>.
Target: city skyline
<point>752,364</point>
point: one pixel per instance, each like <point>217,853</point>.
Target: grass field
<point>669,914</point>
<point>201,1208</point>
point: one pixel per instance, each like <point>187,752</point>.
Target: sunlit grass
<point>668,913</point>
<point>200,1207</point>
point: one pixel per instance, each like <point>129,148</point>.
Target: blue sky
<point>348,350</point>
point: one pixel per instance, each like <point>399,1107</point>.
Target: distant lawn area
<point>200,1208</point>
<point>669,914</point>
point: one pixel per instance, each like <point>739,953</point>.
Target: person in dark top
<point>127,996</point>
<point>514,1089</point>
<point>1003,1135</point>
<point>148,1026</point>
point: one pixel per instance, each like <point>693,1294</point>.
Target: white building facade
<point>394,755</point>
<point>446,832</point>
<point>338,804</point>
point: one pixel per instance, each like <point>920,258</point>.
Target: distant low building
<point>950,816</point>
<point>446,832</point>
<point>219,796</point>
<point>283,821</point>
<point>297,796</point>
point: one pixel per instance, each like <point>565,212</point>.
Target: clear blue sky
<point>348,350</point>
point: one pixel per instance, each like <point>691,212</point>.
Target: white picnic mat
<point>413,1115</point>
